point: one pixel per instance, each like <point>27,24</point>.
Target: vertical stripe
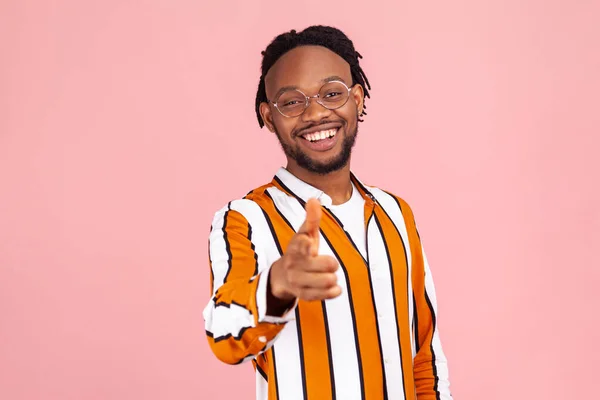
<point>301,351</point>
<point>217,248</point>
<point>433,365</point>
<point>314,348</point>
<point>393,211</point>
<point>262,386</point>
<point>440,365</point>
<point>287,353</point>
<point>242,258</point>
<point>432,379</point>
<point>329,351</point>
<point>355,346</point>
<point>285,381</point>
<point>359,357</point>
<point>261,233</point>
<point>416,325</point>
<point>369,270</point>
<point>253,249</point>
<point>212,275</point>
<point>398,258</point>
<point>384,272</point>
<point>274,379</point>
<point>359,292</point>
<point>338,317</point>
<point>227,245</point>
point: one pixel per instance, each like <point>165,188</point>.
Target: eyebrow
<point>324,80</point>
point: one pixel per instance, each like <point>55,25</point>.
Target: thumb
<point>313,218</point>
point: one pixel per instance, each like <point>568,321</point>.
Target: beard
<point>336,163</point>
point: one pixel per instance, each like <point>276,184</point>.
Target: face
<point>320,140</point>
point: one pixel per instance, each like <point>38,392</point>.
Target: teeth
<point>313,137</point>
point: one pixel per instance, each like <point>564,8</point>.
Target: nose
<point>315,112</point>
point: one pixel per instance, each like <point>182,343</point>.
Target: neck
<point>336,184</point>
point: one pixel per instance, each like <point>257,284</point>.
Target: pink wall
<point>114,119</point>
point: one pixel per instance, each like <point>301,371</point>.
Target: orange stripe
<point>361,296</point>
<point>242,261</point>
<point>271,374</point>
<point>423,367</point>
<point>232,349</point>
<point>262,363</point>
<point>314,345</point>
<point>310,315</point>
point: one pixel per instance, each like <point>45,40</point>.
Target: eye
<point>332,94</point>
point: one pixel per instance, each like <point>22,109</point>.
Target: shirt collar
<point>305,191</point>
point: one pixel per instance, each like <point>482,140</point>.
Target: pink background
<point>114,123</point>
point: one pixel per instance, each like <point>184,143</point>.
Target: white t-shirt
<point>352,216</point>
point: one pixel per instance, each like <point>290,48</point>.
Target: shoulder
<point>243,208</point>
<point>399,212</point>
<point>390,200</point>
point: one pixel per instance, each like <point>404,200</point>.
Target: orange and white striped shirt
<point>377,340</point>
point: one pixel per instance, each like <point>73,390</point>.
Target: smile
<point>321,135</point>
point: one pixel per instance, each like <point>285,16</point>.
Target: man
<point>318,279</point>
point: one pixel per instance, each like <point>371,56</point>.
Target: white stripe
<point>267,252</point>
<point>222,320</point>
<point>386,315</point>
<point>343,344</point>
<point>339,315</point>
<point>262,387</point>
<point>260,229</point>
<point>395,213</point>
<point>218,250</point>
<point>441,363</point>
<point>287,347</point>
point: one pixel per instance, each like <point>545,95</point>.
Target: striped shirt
<point>377,340</point>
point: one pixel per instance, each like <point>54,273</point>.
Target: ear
<point>358,95</point>
<point>267,116</point>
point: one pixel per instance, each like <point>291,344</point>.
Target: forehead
<point>306,67</point>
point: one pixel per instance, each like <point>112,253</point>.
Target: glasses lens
<point>333,95</point>
<point>291,103</point>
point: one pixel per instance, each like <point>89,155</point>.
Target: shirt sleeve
<point>236,321</point>
<point>430,366</point>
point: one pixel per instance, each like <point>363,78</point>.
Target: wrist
<point>279,300</point>
<point>275,286</point>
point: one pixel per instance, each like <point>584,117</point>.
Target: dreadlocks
<point>331,38</point>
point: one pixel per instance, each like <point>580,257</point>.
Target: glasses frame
<point>316,96</point>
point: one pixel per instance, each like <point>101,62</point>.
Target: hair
<point>318,35</point>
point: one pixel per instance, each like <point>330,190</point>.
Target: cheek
<point>349,113</point>
<point>284,126</point>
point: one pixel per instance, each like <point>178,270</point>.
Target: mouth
<point>321,140</point>
<point>320,135</point>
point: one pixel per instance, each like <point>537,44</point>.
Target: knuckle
<point>293,280</point>
<point>333,263</point>
<point>332,279</point>
<point>304,294</point>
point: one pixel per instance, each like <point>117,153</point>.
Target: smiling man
<point>316,278</point>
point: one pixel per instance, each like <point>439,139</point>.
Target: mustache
<point>298,131</point>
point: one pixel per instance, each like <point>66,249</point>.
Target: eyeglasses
<point>293,102</point>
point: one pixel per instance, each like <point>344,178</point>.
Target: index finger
<point>312,220</point>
